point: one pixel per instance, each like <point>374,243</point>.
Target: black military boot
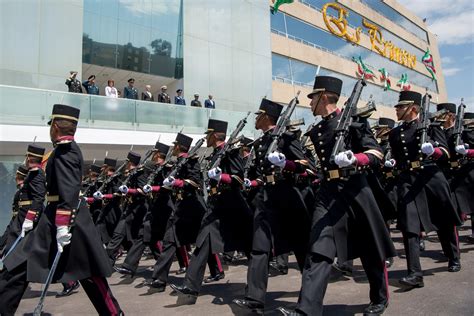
<point>156,284</point>
<point>412,281</point>
<point>288,312</point>
<point>124,271</point>
<point>214,278</point>
<point>249,304</point>
<point>454,265</point>
<point>185,292</point>
<point>375,309</point>
<point>68,289</point>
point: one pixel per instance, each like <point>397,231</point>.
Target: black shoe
<point>470,238</point>
<point>288,312</point>
<point>343,268</point>
<point>375,309</point>
<point>412,281</point>
<point>68,290</point>
<point>156,284</point>
<point>184,290</point>
<point>181,271</point>
<point>249,304</point>
<point>279,268</point>
<point>422,245</point>
<point>454,266</point>
<point>215,278</point>
<point>124,271</point>
<point>389,262</point>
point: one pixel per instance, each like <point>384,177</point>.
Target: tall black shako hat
<point>450,107</point>
<point>326,83</point>
<point>95,168</point>
<point>134,158</point>
<point>65,112</point>
<point>110,162</point>
<point>22,170</point>
<point>161,148</point>
<point>183,140</point>
<point>468,115</point>
<point>385,122</point>
<point>35,151</point>
<point>409,97</point>
<point>270,108</point>
<point>216,126</point>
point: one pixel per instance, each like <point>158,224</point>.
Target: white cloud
<point>451,71</point>
<point>433,8</point>
<point>151,7</point>
<point>446,60</point>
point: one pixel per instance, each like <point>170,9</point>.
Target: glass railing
<point>26,106</point>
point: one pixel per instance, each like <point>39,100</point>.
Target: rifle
<point>425,118</point>
<point>181,163</point>
<point>249,161</point>
<point>367,110</point>
<point>458,126</point>
<point>131,173</point>
<point>342,128</point>
<point>232,140</point>
<point>107,181</point>
<point>158,169</point>
<point>280,127</point>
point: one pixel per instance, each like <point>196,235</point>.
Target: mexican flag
<point>278,3</point>
<point>362,69</point>
<point>385,79</point>
<point>427,60</point>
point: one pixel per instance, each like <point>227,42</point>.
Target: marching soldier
<point>65,227</point>
<point>183,226</point>
<point>90,186</point>
<point>227,224</point>
<point>281,219</point>
<point>14,227</point>
<point>346,220</point>
<point>424,197</point>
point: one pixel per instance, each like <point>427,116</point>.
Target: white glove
<point>26,227</point>
<point>427,149</point>
<point>345,159</point>
<point>390,163</point>
<point>147,189</point>
<point>123,189</point>
<point>247,183</point>
<point>461,149</point>
<point>278,159</point>
<point>63,237</point>
<point>168,182</point>
<point>215,173</point>
<point>98,195</point>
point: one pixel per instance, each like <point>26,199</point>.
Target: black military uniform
<point>459,169</point>
<point>14,226</point>
<point>281,219</point>
<point>183,226</point>
<point>111,210</point>
<point>73,84</point>
<point>89,186</point>
<point>84,258</point>
<point>424,197</point>
<point>164,97</point>
<point>346,221</point>
<point>227,224</point>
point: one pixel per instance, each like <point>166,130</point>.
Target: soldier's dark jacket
<point>74,85</point>
<point>88,189</point>
<point>346,212</point>
<point>183,226</point>
<point>29,203</point>
<point>281,215</point>
<point>111,211</point>
<point>424,197</point>
<point>459,170</point>
<point>228,220</point>
<point>130,93</point>
<point>84,256</point>
<point>13,223</point>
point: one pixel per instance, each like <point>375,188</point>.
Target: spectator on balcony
<point>110,90</point>
<point>90,86</point>
<point>196,101</point>
<point>147,95</point>
<point>164,97</point>
<point>73,84</point>
<point>130,92</point>
<point>210,103</point>
<point>178,98</point>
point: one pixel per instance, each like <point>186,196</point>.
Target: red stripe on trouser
<point>106,295</point>
<point>385,274</point>
<point>457,238</point>
<point>184,255</point>
<point>159,246</point>
<point>219,264</point>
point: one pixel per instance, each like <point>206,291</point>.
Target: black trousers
<point>118,237</point>
<point>448,239</point>
<point>135,253</point>
<point>282,260</point>
<point>315,280</point>
<point>195,273</point>
<point>13,285</point>
<point>257,274</point>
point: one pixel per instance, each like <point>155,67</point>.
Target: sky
<point>453,22</point>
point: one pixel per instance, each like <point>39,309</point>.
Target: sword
<point>39,307</point>
<point>17,241</point>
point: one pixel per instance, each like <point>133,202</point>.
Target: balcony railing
<point>27,106</point>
